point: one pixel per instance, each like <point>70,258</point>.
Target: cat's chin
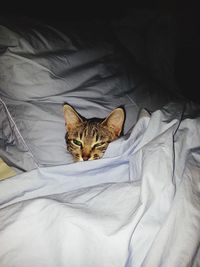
<point>81,159</point>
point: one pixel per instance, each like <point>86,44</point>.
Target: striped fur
<point>88,139</point>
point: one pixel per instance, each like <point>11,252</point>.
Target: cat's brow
<point>97,136</point>
<point>85,132</point>
<point>94,131</point>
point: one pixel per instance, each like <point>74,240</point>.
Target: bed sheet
<point>137,207</point>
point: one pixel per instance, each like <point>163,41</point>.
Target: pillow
<point>42,67</point>
<point>41,61</point>
<point>38,75</point>
<point>29,36</point>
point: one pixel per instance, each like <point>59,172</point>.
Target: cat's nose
<point>85,157</point>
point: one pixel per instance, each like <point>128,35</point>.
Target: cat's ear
<point>72,119</point>
<point>115,121</point>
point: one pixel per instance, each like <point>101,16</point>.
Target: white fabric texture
<point>138,206</point>
<point>41,68</point>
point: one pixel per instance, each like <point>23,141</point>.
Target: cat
<point>88,139</point>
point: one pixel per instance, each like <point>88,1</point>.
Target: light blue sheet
<point>138,206</point>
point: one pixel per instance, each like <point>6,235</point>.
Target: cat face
<point>87,139</point>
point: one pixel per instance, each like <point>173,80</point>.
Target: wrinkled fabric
<point>42,67</point>
<point>137,206</point>
<point>12,145</point>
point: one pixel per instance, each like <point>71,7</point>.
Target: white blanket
<point>138,206</point>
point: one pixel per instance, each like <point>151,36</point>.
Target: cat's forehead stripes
<point>90,130</point>
<point>97,137</point>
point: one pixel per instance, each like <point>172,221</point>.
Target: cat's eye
<point>76,142</point>
<point>99,144</point>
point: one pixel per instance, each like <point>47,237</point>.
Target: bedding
<point>42,67</point>
<point>139,207</point>
<point>37,78</point>
<point>139,204</point>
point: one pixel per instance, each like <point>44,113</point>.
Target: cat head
<point>87,139</point>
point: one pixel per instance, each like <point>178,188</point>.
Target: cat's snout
<point>85,157</point>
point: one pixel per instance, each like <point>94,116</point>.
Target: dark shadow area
<point>186,16</point>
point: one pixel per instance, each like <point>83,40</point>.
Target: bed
<point>138,205</point>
